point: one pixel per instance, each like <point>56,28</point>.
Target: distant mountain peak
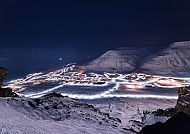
<point>172,61</point>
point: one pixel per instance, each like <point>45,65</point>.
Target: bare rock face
<point>3,75</point>
<point>183,102</point>
<point>180,117</point>
<point>172,61</point>
<point>121,60</point>
<point>5,92</point>
<point>178,124</point>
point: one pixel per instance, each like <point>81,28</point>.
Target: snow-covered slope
<point>120,60</point>
<point>53,114</point>
<point>173,61</point>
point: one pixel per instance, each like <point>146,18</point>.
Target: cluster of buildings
<point>73,75</point>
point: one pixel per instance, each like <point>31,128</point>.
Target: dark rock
<point>7,92</point>
<point>54,94</point>
<point>3,75</point>
<point>178,124</point>
<point>31,104</point>
<point>169,112</point>
<point>183,102</point>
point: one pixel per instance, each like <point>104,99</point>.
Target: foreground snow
<point>58,115</point>
<point>62,115</point>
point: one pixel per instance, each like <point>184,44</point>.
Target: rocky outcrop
<point>3,75</point>
<point>5,92</point>
<point>180,117</point>
<point>169,112</point>
<point>183,102</point>
<point>178,124</point>
<point>172,61</point>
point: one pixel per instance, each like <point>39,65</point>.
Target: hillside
<point>54,113</point>
<point>172,61</point>
<point>119,60</point>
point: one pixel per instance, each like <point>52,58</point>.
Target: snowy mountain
<point>173,61</point>
<point>120,60</point>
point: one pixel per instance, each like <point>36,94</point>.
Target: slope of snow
<point>121,60</point>
<point>131,111</point>
<point>53,114</point>
<point>61,115</point>
<point>173,61</point>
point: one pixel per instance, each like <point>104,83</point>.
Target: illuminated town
<point>71,75</point>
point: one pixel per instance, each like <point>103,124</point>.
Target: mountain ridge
<point>119,60</point>
<point>173,60</point>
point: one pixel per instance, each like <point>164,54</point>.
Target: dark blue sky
<point>90,25</point>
